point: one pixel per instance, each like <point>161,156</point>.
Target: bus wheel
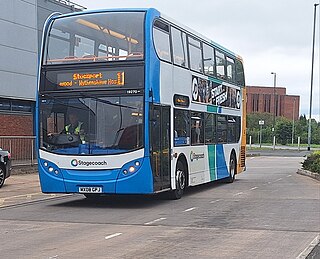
<point>232,169</point>
<point>181,181</point>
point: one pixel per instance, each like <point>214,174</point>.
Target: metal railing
<point>22,149</point>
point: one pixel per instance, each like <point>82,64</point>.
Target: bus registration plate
<point>90,189</point>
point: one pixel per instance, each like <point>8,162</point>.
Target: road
<point>268,212</point>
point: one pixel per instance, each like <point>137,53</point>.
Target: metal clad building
<point>21,23</point>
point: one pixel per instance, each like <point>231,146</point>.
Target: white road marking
<point>278,180</point>
<point>154,221</point>
<point>190,209</point>
<point>254,188</point>
<point>239,193</point>
<point>214,201</point>
<point>289,175</point>
<point>113,235</point>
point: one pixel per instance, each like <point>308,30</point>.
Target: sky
<point>271,36</point>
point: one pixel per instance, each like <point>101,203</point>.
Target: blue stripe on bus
<point>152,73</point>
<point>222,170</point>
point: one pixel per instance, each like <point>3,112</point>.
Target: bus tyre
<point>232,169</point>
<point>181,182</point>
<point>2,175</point>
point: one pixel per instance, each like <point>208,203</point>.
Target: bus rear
<point>92,74</point>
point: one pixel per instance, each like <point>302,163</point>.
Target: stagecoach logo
<point>76,162</point>
<point>195,156</point>
<point>195,90</point>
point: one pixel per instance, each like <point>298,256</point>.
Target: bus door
<point>160,146</point>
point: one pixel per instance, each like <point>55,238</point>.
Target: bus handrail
<point>94,58</point>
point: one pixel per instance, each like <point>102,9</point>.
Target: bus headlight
<point>131,167</point>
<point>50,167</point>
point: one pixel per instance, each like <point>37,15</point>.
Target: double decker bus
<point>159,107</point>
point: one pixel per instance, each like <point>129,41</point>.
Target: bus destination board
<point>91,79</point>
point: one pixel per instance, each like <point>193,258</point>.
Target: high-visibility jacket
<point>75,131</point>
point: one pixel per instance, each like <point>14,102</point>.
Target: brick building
<point>21,23</point>
<point>272,100</point>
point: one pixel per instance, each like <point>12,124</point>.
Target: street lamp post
<point>274,107</point>
<point>293,110</point>
<point>312,63</point>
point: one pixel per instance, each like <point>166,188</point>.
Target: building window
<point>15,105</point>
<point>267,103</point>
<point>255,102</point>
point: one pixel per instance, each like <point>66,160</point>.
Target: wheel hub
<point>181,180</point>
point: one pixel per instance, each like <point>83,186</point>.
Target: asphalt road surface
<point>268,212</point>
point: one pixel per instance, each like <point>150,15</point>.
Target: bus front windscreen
<point>90,124</point>
<point>96,37</point>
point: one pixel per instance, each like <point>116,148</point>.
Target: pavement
<point>22,188</point>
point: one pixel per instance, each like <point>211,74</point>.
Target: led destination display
<point>96,78</point>
<point>91,79</point>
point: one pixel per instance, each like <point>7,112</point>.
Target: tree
<point>283,130</point>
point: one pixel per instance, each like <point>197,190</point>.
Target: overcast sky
<point>271,36</point>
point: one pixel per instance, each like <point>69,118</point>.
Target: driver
<point>75,126</point>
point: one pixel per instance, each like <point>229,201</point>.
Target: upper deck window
<point>239,73</point>
<point>195,54</point>
<point>179,45</point>
<point>161,34</point>
<point>208,60</point>
<point>101,37</point>
<point>231,71</point>
<point>220,65</point>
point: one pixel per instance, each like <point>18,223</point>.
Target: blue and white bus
<point>158,106</point>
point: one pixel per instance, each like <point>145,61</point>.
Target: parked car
<point>5,166</point>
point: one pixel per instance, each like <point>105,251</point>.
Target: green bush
<point>312,162</point>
